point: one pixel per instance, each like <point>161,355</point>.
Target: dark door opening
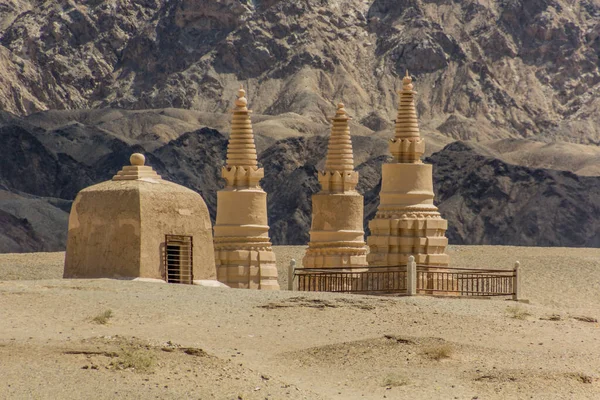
<point>178,259</point>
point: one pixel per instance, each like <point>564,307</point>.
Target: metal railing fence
<point>411,279</point>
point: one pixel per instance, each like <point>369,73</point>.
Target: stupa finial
<point>137,170</point>
<point>407,125</point>
<point>341,112</point>
<point>339,150</point>
<point>241,102</point>
<point>407,82</point>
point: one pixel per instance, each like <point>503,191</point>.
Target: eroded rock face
<point>28,166</point>
<point>18,235</point>
<point>31,223</point>
<point>491,202</point>
<point>290,181</point>
<point>67,52</point>
<point>516,68</point>
<point>485,200</point>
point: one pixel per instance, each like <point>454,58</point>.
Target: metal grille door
<point>179,259</point>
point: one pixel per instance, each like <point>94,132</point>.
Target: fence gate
<point>179,259</point>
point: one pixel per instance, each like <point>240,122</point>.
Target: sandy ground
<point>175,341</point>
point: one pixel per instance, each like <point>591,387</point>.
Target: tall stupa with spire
<point>243,254</point>
<point>336,234</point>
<point>407,223</point>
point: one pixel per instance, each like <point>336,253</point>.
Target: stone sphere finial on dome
<point>137,159</point>
<point>137,170</point>
<point>241,101</point>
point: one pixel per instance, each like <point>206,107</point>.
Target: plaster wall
<point>406,185</point>
<point>241,212</point>
<point>336,235</point>
<point>243,254</point>
<point>117,230</point>
<point>248,268</point>
<point>407,223</point>
<point>169,209</point>
<point>337,217</point>
<point>104,240</point>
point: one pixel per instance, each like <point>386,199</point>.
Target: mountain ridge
<point>484,71</point>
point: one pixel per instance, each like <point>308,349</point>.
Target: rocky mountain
<point>84,83</point>
<point>484,69</point>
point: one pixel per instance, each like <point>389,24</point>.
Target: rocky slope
<point>485,200</point>
<point>493,69</point>
<point>30,223</point>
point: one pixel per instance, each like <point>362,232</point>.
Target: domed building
<point>138,225</point>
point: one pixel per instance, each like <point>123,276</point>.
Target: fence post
<point>411,276</point>
<point>517,282</point>
<point>291,273</point>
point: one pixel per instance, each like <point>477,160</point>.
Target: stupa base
<point>335,257</point>
<point>383,259</point>
<point>393,240</point>
<point>247,269</point>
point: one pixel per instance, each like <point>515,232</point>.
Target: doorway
<point>179,266</point>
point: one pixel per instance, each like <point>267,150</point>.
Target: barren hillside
<point>485,69</point>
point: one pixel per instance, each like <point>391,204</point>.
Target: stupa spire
<point>407,145</point>
<point>241,168</point>
<point>241,150</point>
<point>339,150</point>
<point>407,125</point>
<point>339,174</point>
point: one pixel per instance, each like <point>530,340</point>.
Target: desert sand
<point>105,339</point>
